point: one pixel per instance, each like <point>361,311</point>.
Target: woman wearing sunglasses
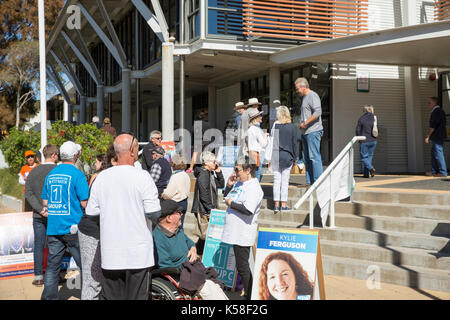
<point>243,196</point>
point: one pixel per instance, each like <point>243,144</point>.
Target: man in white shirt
<point>126,199</point>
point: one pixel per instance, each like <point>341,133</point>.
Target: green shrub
<point>92,140</point>
<point>9,184</point>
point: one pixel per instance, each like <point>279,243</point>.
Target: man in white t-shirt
<point>126,199</point>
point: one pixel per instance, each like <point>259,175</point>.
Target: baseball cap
<point>29,153</point>
<point>168,207</point>
<point>69,149</point>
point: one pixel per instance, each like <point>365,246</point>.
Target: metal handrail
<point>309,193</point>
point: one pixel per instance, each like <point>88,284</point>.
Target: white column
<point>212,106</point>
<point>203,15</point>
<point>65,111</point>
<point>167,90</point>
<point>42,73</point>
<point>274,88</point>
<point>414,132</point>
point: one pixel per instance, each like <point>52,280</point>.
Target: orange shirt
<point>25,171</point>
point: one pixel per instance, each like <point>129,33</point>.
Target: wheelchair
<point>166,287</point>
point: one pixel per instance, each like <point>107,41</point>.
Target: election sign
<point>227,156</point>
<point>218,254</point>
<point>288,265</point>
<point>16,245</point>
<point>169,148</point>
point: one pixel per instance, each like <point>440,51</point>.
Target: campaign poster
<point>218,254</point>
<point>169,148</point>
<point>16,245</point>
<point>227,156</point>
<point>285,265</point>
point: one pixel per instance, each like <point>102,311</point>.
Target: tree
<point>20,71</point>
<point>19,20</point>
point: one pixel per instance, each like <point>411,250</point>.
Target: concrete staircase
<point>404,236</point>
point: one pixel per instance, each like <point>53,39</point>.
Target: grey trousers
<point>91,274</point>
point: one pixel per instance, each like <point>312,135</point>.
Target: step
<point>394,255</point>
<point>382,238</point>
<point>387,238</point>
<point>414,277</point>
<point>394,210</point>
<point>433,199</point>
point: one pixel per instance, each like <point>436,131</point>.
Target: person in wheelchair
<point>174,251</point>
<point>172,245</point>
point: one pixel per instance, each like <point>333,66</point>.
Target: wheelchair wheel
<point>162,290</point>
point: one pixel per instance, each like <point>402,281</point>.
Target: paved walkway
<point>336,288</point>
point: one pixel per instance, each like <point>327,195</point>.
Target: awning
<point>419,45</point>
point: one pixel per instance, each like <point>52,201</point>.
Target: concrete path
<point>336,288</point>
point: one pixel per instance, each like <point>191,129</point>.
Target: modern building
<point>392,54</point>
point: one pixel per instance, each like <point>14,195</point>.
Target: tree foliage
<point>92,140</point>
<point>19,20</point>
<point>20,73</point>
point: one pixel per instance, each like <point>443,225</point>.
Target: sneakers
<point>372,172</point>
<point>276,209</point>
<point>285,208</point>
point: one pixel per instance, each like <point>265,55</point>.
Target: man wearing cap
<point>33,192</point>
<point>108,128</point>
<point>235,120</point>
<point>312,130</point>
<point>253,103</point>
<point>25,170</point>
<point>64,194</point>
<point>126,199</point>
<point>160,170</point>
<point>173,247</point>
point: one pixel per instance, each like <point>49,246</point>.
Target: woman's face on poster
<point>281,280</point>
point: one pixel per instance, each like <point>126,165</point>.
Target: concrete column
<point>212,106</point>
<point>274,88</point>
<point>167,91</point>
<point>69,113</point>
<point>126,99</point>
<point>82,112</point>
<point>414,130</point>
<point>100,103</point>
<point>65,111</point>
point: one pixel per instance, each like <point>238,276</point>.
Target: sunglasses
<point>237,170</point>
<point>30,157</point>
<point>159,138</point>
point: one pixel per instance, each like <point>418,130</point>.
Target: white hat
<point>253,101</point>
<point>239,105</point>
<point>253,113</point>
<point>69,149</point>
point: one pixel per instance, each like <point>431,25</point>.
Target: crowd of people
<point>128,217</point>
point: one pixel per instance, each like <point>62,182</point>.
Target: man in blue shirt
<point>64,194</point>
<point>437,134</point>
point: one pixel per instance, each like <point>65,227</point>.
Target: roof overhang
<point>419,45</point>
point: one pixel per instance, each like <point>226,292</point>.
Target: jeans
<point>56,248</point>
<point>311,155</point>
<point>438,164</point>
<point>281,183</point>
<point>40,235</point>
<point>366,150</point>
